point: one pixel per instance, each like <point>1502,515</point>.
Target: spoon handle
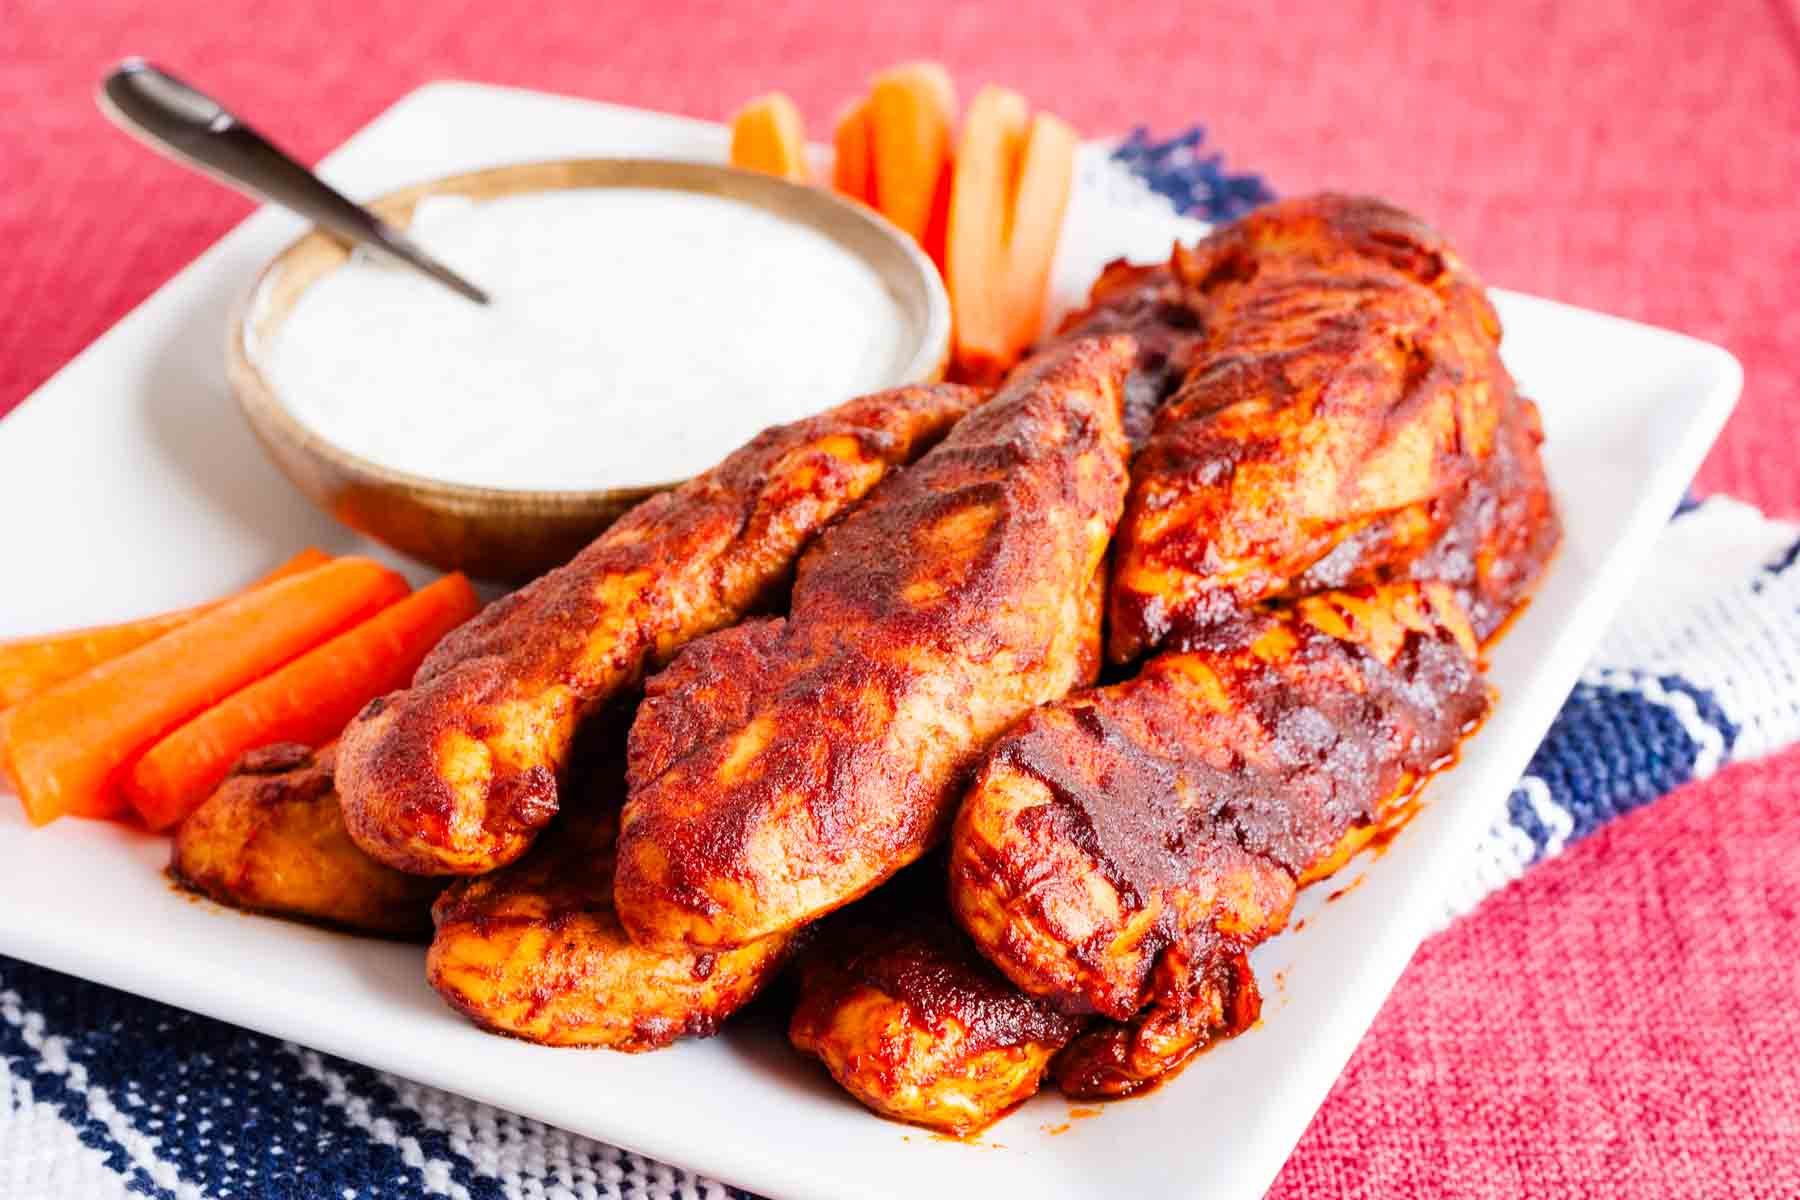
<point>194,129</point>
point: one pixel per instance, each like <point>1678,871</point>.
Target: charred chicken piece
<point>271,839</point>
<point>457,774</point>
<point>1501,531</point>
<point>783,768</point>
<point>536,951</point>
<point>913,1022</point>
<point>1346,410</point>
<point>1122,851</point>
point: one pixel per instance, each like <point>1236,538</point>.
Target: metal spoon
<point>194,129</point>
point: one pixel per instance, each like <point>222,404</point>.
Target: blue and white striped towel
<point>104,1095</point>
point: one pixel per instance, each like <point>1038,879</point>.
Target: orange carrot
<point>67,746</point>
<point>8,776</point>
<point>768,135</point>
<point>912,113</point>
<point>981,196</point>
<point>1046,172</point>
<point>309,700</point>
<point>937,227</point>
<point>852,169</point>
<point>29,665</point>
<point>1006,214</point>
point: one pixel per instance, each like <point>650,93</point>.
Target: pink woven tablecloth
<point>1621,1023</point>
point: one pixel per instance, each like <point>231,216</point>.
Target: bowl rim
<point>259,401</point>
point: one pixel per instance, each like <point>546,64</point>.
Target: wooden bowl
<point>513,534</point>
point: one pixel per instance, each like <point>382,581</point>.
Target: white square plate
<point>128,484</point>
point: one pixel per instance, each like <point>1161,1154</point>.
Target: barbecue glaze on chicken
<point>1122,851</point>
<point>535,950</point>
<point>271,839</point>
<point>912,1021</point>
<point>1345,412</point>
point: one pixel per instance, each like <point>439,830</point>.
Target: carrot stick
<point>768,135</point>
<point>29,665</point>
<point>67,745</point>
<point>1007,205</point>
<point>937,228</point>
<point>8,776</point>
<point>852,169</point>
<point>980,225</point>
<point>1046,172</point>
<point>912,111</point>
<point>309,701</point>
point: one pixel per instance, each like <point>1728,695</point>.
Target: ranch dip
<point>635,336</point>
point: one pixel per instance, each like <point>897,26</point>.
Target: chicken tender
<point>536,951</point>
<point>271,839</point>
<point>1343,413</point>
<point>1121,852</point>
<point>780,769</point>
<point>457,774</point>
<point>915,1024</point>
<point>1200,999</point>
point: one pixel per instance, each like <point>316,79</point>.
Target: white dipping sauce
<point>635,336</point>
